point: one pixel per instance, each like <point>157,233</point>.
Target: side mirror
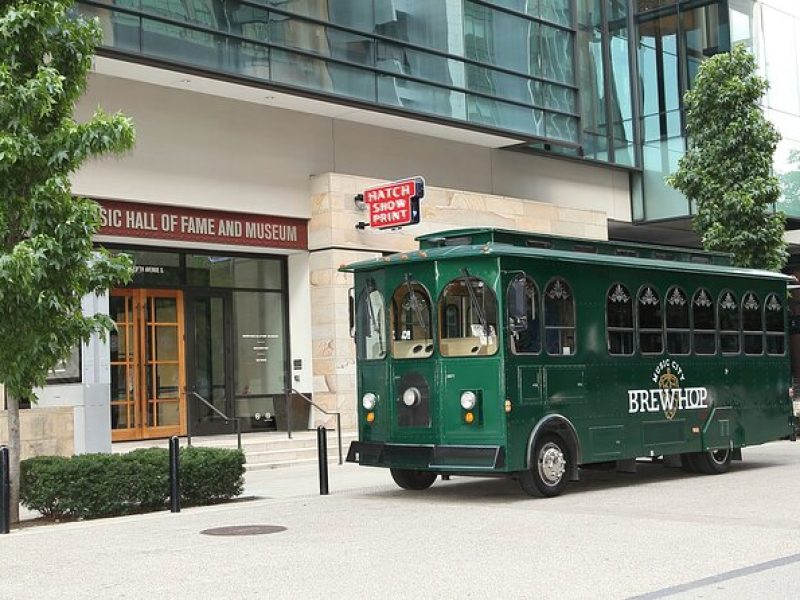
<point>363,318</point>
<point>517,309</point>
<point>351,309</point>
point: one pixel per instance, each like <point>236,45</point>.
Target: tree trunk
<point>14,453</point>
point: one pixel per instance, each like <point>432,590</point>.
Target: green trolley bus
<point>494,352</point>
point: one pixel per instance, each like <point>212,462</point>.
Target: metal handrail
<point>320,409</point>
<point>236,422</point>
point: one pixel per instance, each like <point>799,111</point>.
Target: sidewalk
<point>298,481</point>
<point>611,536</point>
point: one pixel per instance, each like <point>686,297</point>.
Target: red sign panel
<point>395,204</point>
<point>174,223</point>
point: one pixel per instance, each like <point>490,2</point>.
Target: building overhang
<point>667,232</point>
<point>195,81</point>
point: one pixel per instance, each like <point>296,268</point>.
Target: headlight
<point>411,396</point>
<point>369,400</point>
<point>468,400</point>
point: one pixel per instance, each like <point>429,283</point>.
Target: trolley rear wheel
<point>413,480</point>
<point>713,462</point>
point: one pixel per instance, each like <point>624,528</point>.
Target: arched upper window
<point>619,320</point>
<point>728,322</point>
<point>559,318</point>
<point>528,340</point>
<point>677,322</point>
<point>473,303</point>
<point>704,322</point>
<point>774,325</point>
<point>411,321</point>
<point>752,324</point>
<point>651,339</point>
<point>370,329</point>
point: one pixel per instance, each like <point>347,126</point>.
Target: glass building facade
<point>598,80</point>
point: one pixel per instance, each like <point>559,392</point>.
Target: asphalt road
<point>657,534</point>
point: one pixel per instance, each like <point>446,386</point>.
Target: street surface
<point>658,534</point>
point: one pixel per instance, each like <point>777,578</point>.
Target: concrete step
<point>263,450</point>
<point>266,466</point>
<point>291,454</point>
<point>300,442</point>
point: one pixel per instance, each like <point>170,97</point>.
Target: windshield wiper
<point>415,306</point>
<point>474,300</point>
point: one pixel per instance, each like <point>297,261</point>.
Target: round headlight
<point>368,400</point>
<point>411,396</point>
<point>468,400</point>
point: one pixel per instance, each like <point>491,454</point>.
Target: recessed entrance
<point>209,360</point>
<point>148,388</point>
<point>196,328</point>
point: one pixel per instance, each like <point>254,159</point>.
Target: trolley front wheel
<point>413,480</point>
<point>549,467</point>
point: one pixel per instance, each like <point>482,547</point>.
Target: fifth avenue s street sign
<point>395,204</point>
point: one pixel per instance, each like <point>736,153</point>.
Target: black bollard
<point>5,492</point>
<point>322,455</point>
<point>174,476</point>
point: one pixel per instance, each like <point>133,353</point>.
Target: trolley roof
<point>455,244</point>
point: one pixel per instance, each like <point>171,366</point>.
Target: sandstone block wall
<point>334,241</point>
<point>43,431</point>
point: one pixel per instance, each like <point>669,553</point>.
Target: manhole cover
<point>244,530</point>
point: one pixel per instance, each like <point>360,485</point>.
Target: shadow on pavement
<point>504,490</point>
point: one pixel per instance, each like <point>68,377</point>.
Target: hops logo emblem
<point>668,382</point>
<point>668,397</point>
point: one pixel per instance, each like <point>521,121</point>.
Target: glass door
<point>148,388</point>
<point>209,358</point>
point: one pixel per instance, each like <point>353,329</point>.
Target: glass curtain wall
<point>673,39</point>
<point>772,29</point>
<point>506,65</point>
<point>605,82</point>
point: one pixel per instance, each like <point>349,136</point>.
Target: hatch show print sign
<point>668,396</point>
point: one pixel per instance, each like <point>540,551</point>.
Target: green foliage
<point>90,486</point>
<point>727,170</point>
<point>790,184</point>
<point>47,262</point>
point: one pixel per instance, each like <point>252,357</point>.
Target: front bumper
<point>435,458</point>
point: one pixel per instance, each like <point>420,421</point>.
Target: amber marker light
<point>469,417</point>
<point>508,406</point>
<point>370,417</point>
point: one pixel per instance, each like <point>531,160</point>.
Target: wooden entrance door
<point>148,387</point>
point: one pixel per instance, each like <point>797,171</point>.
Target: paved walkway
<point>660,533</point>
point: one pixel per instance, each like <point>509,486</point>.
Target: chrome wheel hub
<point>719,456</point>
<point>551,463</point>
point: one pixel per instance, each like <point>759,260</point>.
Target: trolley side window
<point>651,339</point>
<point>677,322</point>
<point>773,321</point>
<point>729,323</point>
<point>526,335</point>
<point>559,319</point>
<point>468,314</point>
<point>370,329</point>
<point>704,322</point>
<point>752,325</point>
<point>411,321</point>
<point>619,320</point>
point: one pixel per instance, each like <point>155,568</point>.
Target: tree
<point>790,184</point>
<point>727,169</point>
<point>47,262</point>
